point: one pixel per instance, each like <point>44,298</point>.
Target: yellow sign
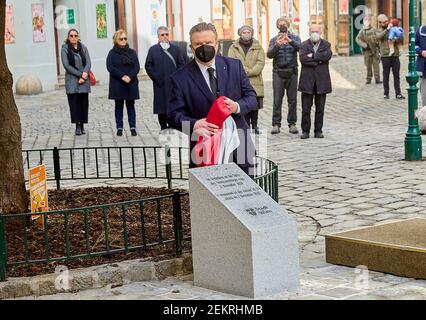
<point>38,191</point>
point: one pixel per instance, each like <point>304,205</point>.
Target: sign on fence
<point>38,191</point>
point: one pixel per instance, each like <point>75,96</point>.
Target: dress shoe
<point>293,129</point>
<point>386,96</point>
<point>119,132</point>
<point>275,129</point>
<point>82,128</point>
<point>257,131</point>
<point>368,82</point>
<point>319,135</point>
<point>379,82</point>
<point>304,135</point>
<point>400,97</point>
<point>134,133</point>
<point>78,130</point>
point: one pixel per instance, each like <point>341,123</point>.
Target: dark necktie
<point>213,83</point>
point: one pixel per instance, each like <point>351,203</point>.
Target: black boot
<point>82,128</point>
<point>77,129</point>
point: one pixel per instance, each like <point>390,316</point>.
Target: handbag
<point>92,78</point>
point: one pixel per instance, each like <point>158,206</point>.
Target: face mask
<point>283,29</point>
<point>165,45</point>
<point>246,37</point>
<point>205,53</point>
<point>315,37</point>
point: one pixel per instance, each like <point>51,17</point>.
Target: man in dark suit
<point>197,85</point>
<point>162,60</point>
<point>315,81</point>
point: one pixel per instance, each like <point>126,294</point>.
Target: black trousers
<point>162,119</point>
<point>281,86</point>
<point>391,63</point>
<point>79,107</point>
<point>131,113</point>
<point>307,102</point>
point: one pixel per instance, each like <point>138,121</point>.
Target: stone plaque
<point>243,242</point>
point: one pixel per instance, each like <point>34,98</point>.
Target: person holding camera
<point>283,50</point>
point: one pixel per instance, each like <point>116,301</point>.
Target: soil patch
<point>150,222</point>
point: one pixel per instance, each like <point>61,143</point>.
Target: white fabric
<point>165,45</point>
<point>229,142</point>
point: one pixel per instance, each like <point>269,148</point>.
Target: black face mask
<point>205,53</point>
<point>283,29</point>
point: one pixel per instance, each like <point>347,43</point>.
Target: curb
<point>114,274</point>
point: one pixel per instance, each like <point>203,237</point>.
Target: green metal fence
<point>110,163</point>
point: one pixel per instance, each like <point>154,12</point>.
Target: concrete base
<point>397,248</point>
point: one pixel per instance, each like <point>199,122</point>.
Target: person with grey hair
<point>251,54</point>
<point>162,60</point>
<point>283,49</point>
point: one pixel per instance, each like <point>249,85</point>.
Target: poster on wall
<point>249,9</point>
<point>155,23</point>
<point>39,31</point>
<point>9,35</point>
<point>101,21</point>
<point>343,7</point>
<point>217,10</point>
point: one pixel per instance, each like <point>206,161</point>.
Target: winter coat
<point>159,68</point>
<point>366,39</point>
<point>421,46</point>
<point>286,56</point>
<point>253,63</point>
<point>382,36</point>
<point>73,75</point>
<point>315,69</point>
<point>119,64</point>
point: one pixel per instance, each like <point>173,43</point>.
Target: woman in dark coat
<point>123,66</point>
<point>162,60</point>
<point>76,61</point>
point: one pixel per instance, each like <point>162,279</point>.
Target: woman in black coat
<point>123,66</point>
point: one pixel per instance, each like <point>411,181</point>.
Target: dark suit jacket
<point>315,69</point>
<point>159,68</point>
<point>191,100</point>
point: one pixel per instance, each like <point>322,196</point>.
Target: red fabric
<point>206,151</point>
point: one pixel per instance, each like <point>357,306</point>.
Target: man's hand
<point>424,53</point>
<point>126,79</point>
<point>281,40</point>
<point>232,105</point>
<point>84,75</point>
<point>204,128</point>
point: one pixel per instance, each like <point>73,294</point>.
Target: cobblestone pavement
<point>354,177</point>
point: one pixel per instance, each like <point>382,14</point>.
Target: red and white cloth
<point>218,148</point>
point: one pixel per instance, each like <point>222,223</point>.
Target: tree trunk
<point>13,198</point>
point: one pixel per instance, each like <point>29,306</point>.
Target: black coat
<point>315,69</point>
<point>159,68</point>
<point>119,65</point>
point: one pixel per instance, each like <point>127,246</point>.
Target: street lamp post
<point>413,139</point>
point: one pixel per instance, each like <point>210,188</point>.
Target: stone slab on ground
<point>397,248</point>
<point>243,242</point>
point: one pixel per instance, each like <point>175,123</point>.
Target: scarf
<point>79,50</point>
<point>246,45</point>
<point>125,52</point>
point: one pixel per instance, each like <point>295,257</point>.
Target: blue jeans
<point>131,113</point>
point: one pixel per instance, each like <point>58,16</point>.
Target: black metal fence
<point>115,233</point>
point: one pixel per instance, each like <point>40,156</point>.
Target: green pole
<point>413,139</point>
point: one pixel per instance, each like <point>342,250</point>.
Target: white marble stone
<point>243,242</point>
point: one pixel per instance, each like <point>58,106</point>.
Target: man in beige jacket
<point>249,51</point>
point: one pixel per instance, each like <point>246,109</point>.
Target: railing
<point>102,230</point>
<point>112,236</point>
<point>149,162</point>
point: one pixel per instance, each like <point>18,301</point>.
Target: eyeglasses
<point>73,35</point>
<point>123,39</point>
<point>164,34</point>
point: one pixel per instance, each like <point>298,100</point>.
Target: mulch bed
<point>79,198</point>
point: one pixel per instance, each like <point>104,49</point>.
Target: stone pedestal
<point>243,242</point>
